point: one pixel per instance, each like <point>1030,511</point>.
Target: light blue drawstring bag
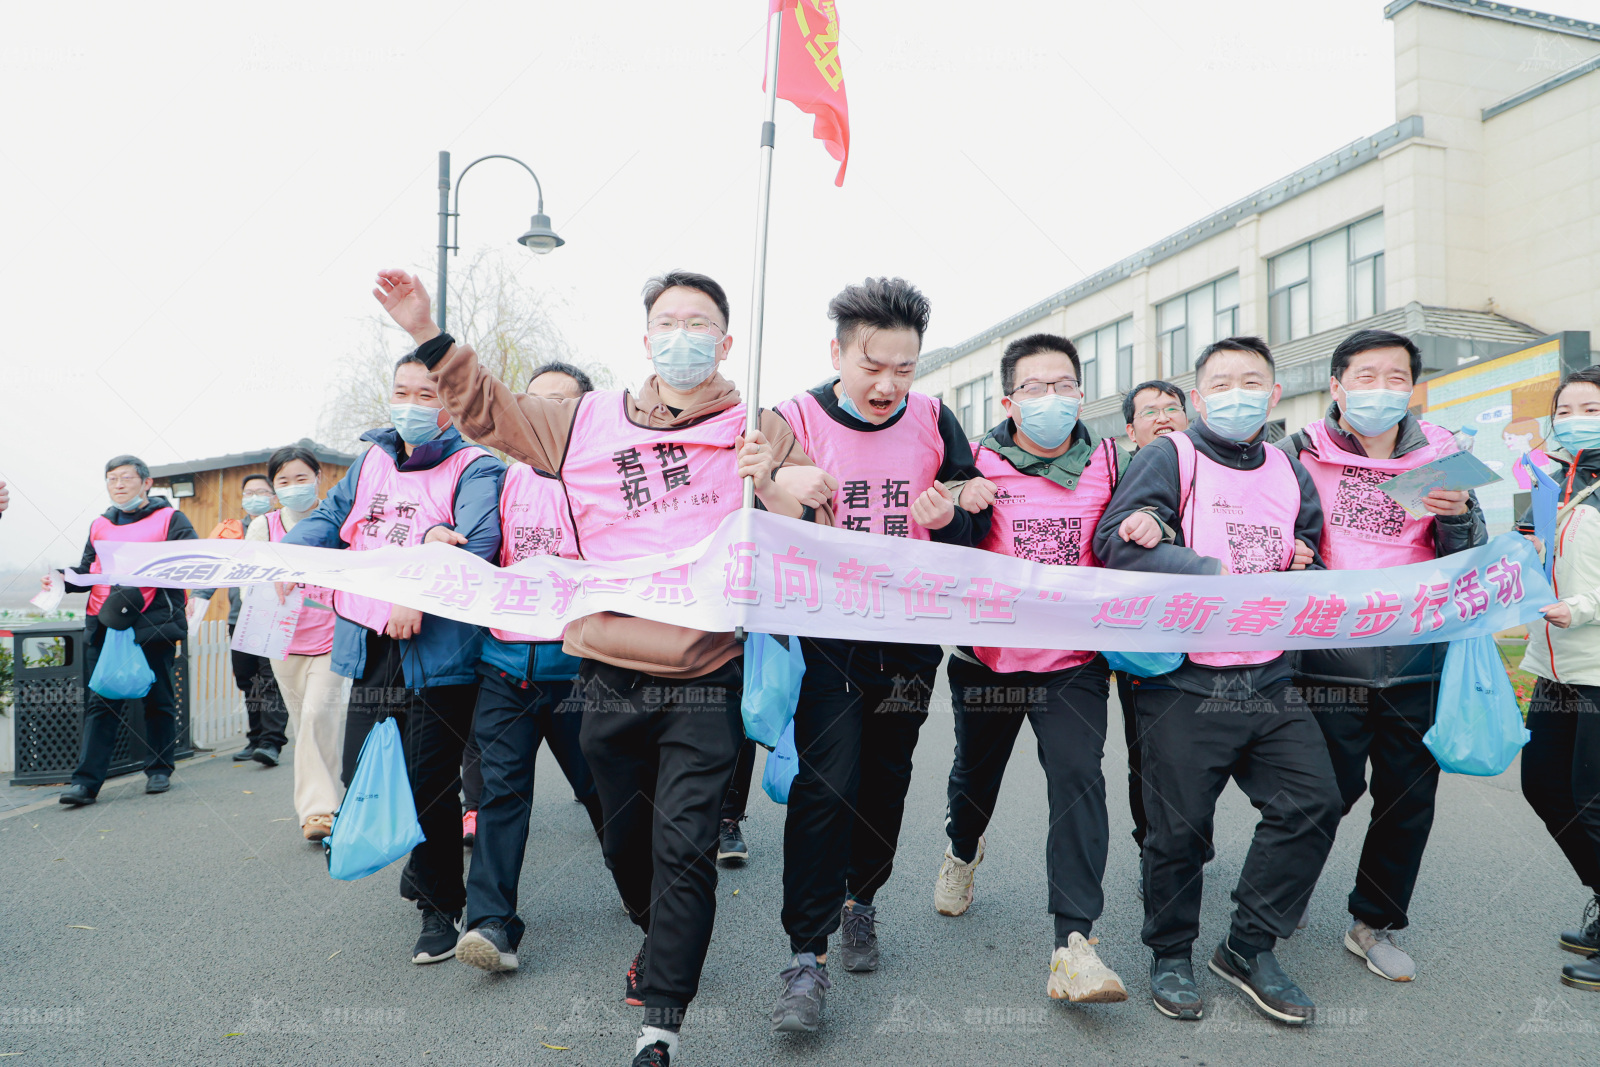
<point>772,673</point>
<point>1478,726</point>
<point>377,823</point>
<point>1144,664</point>
<point>783,763</point>
<point>121,672</point>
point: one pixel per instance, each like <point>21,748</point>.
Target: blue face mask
<point>1236,414</point>
<point>417,425</point>
<point>1371,412</point>
<point>133,505</point>
<point>848,406</point>
<point>301,497</point>
<point>1047,420</point>
<point>682,359</point>
<point>1577,433</point>
<point>256,504</point>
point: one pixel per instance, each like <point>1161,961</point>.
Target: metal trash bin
<point>47,707</point>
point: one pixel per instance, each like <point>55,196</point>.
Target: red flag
<point>809,75</point>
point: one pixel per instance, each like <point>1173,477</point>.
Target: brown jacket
<point>536,431</point>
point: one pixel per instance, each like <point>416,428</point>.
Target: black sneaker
<point>1173,990</point>
<point>634,979</point>
<point>158,783</point>
<point>805,988</point>
<point>248,752</point>
<point>858,937</point>
<point>1585,975</point>
<point>1270,991</point>
<point>267,755</point>
<point>652,1056</point>
<point>1585,940</point>
<point>731,849</point>
<point>438,940</point>
<point>76,796</point>
<point>487,947</point>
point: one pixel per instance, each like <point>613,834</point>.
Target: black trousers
<point>560,732</point>
<point>265,712</point>
<point>103,719</point>
<point>1561,771</point>
<point>1385,727</point>
<point>511,719</point>
<point>1067,710</point>
<point>855,728</point>
<point>1127,693</point>
<point>662,750</point>
<point>434,723</point>
<point>1191,746</point>
<point>738,795</point>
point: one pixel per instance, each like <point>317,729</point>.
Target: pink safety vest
<point>1035,519</point>
<point>1362,526</point>
<point>153,527</point>
<point>534,521</point>
<point>1244,518</point>
<point>880,472</point>
<point>313,634</point>
<point>637,490</point>
<point>396,507</point>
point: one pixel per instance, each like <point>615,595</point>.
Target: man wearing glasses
<point>157,619</point>
<point>1050,481</point>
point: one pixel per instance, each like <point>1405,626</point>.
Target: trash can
<point>47,706</point>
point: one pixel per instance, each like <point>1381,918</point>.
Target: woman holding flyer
<point>316,697</point>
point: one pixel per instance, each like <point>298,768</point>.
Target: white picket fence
<point>216,706</point>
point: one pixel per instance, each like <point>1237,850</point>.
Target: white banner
<point>771,574</point>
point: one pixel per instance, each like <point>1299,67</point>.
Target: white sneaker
<point>1076,974</point>
<point>1384,958</point>
<point>952,892</point>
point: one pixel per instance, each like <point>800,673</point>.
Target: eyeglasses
<point>259,492</point>
<point>1034,390</point>
<point>693,325</point>
<point>123,479</point>
<point>1171,411</point>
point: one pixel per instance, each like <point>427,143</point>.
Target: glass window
<point>1186,324</point>
<point>1327,283</point>
<point>1106,356</point>
<point>973,406</point>
<point>1330,296</point>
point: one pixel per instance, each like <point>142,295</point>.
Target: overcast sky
<point>196,199</point>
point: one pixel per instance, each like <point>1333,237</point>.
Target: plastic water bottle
<point>1464,438</point>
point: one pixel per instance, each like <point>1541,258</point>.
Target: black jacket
<point>164,619</point>
<point>1391,664</point>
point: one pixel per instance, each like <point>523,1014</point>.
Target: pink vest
<point>1363,527</point>
<point>396,507</point>
<point>534,521</point>
<point>313,634</point>
<point>880,472</point>
<point>153,527</point>
<point>636,490</point>
<point>1035,519</point>
<point>1244,518</point>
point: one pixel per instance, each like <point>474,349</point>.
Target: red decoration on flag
<point>809,75</point>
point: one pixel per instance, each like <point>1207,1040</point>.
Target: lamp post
<point>539,239</point>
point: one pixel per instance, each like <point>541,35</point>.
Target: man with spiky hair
<point>886,451</point>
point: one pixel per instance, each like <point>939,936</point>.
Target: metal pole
<point>752,395</point>
<point>444,230</point>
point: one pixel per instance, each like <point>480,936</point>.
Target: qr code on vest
<point>534,541</point>
<point>1054,541</point>
<point>1254,548</point>
<point>1362,508</point>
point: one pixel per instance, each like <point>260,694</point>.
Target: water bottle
<point>1464,438</point>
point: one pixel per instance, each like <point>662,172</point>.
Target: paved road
<point>217,937</point>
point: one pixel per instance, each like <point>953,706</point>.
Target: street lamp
<point>539,239</point>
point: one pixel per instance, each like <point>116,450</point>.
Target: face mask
<point>298,497</point>
<point>417,425</point>
<point>682,359</point>
<point>257,504</point>
<point>1371,412</point>
<point>1047,420</point>
<point>1576,433</point>
<point>848,406</point>
<point>1236,414</point>
<point>133,505</point>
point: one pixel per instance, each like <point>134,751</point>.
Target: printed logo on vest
<point>1222,506</point>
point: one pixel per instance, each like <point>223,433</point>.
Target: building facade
<point>1472,224</point>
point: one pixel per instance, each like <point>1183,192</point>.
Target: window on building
<point>1107,358</point>
<point>1187,323</point>
<point>974,402</point>
<point>1327,283</point>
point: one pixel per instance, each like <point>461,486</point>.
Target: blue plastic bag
<point>783,763</point>
<point>772,676</point>
<point>377,823</point>
<point>122,672</point>
<point>1478,728</point>
<point>1144,664</point>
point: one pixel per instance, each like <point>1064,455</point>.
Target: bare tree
<point>505,321</point>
